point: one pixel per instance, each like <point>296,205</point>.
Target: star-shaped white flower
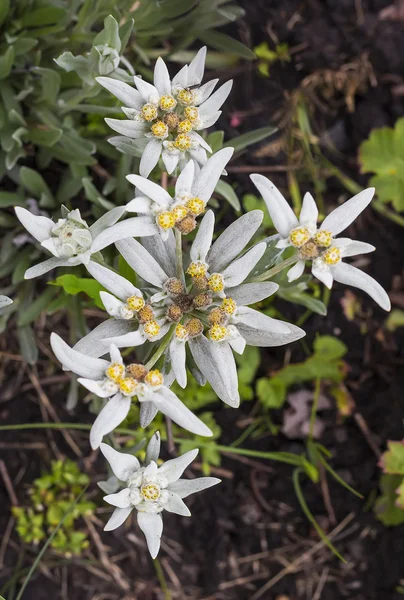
<point>320,245</point>
<point>72,241</point>
<point>112,378</point>
<point>150,489</point>
<point>168,114</point>
<point>193,190</point>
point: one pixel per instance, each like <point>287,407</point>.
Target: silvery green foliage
<point>190,309</point>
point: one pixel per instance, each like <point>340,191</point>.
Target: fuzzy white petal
<point>282,215</point>
<point>118,517</point>
<point>151,189</point>
<point>250,293</point>
<point>185,178</point>
<point>147,413</point>
<point>116,284</point>
<point>209,175</point>
<point>96,387</point>
<point>196,67</point>
<point>309,212</point>
<point>39,227</point>
<point>123,465</point>
<point>110,218</point>
<point>46,266</point>
<point>203,239</point>
<point>323,274</point>
<point>126,94</point>
<point>93,343</point>
<point>341,217</point>
<point>215,101</point>
<point>150,157</point>
<point>257,320</point>
<point>85,366</point>
<point>350,275</point>
<point>133,227</point>
<point>354,248</point>
<point>153,449</point>
<point>238,270</point>
<point>142,262</point>
<point>296,271</point>
<point>139,205</point>
<point>148,92</point>
<point>185,487</point>
<point>178,358</point>
<point>127,127</point>
<point>174,468</point>
<point>110,417</point>
<point>120,500</point>
<point>171,406</point>
<point>152,526</point>
<point>268,339</point>
<point>162,78</point>
<point>176,505</point>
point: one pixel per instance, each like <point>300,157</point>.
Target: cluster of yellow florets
<point>182,215</point>
<point>219,318</point>
<point>130,377</point>
<point>313,246</point>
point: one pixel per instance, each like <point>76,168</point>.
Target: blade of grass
<point>310,517</point>
<point>48,541</point>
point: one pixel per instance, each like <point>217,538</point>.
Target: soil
<point>250,529</point>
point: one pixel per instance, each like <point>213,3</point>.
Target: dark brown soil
<point>250,529</point>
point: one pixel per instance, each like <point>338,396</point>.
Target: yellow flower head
<point>323,238</point>
<point>159,129</point>
<point>154,378</point>
<point>196,206</point>
<point>299,236</point>
<point>152,328</point>
<point>182,142</point>
<point>167,103</point>
<point>135,303</point>
<point>332,256</point>
<point>216,282</point>
<point>115,371</point>
<point>186,96</point>
<point>166,220</point>
<point>148,112</point>
<point>217,333</point>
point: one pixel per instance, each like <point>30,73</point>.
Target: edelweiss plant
<point>189,308</point>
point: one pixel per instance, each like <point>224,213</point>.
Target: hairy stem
<point>288,262</point>
<point>160,350</point>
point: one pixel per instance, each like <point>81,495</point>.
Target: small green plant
<point>51,496</point>
<point>389,506</point>
<point>268,57</point>
<point>382,154</point>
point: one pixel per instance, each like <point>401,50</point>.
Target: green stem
<point>162,579</point>
<point>160,350</point>
<point>178,255</point>
<point>314,408</point>
<point>288,262</point>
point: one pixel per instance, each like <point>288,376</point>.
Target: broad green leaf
<point>252,137</point>
<point>385,507</point>
<point>271,392</point>
<point>35,183</point>
<point>74,285</point>
<point>300,297</point>
<point>4,10</point>
<point>28,345</point>
<point>50,83</point>
<point>252,202</point>
<point>34,309</point>
<point>383,154</point>
<point>221,41</point>
<point>6,62</point>
<point>11,199</point>
<point>329,347</point>
<point>392,461</point>
<point>109,35</point>
<point>42,135</point>
<point>215,140</point>
<point>225,189</point>
<point>46,15</point>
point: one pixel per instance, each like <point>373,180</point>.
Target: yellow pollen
<point>191,113</point>
<point>180,332</point>
<point>184,126</point>
<point>179,212</point>
<point>323,238</point>
<point>150,491</point>
<point>229,306</point>
<point>186,96</point>
<point>154,378</point>
<point>167,102</point>
<point>182,142</point>
<point>196,269</point>
<point>332,256</point>
<point>135,303</point>
<point>217,316</point>
<point>196,206</point>
<point>159,129</point>
<point>152,328</point>
<point>299,236</point>
<point>127,385</point>
<point>194,327</point>
<point>166,220</point>
<point>217,333</point>
<point>115,372</point>
<point>149,112</point>
<point>216,282</point>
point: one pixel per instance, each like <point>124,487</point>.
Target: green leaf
<point>6,62</point>
<point>109,35</point>
<point>329,348</point>
<point>33,311</point>
<point>42,135</point>
<point>383,154</point>
<point>225,43</point>
<point>300,297</point>
<point>50,83</point>
<point>11,199</point>
<point>392,461</point>
<point>47,15</point>
<point>4,10</point>
<point>74,285</point>
<point>225,189</point>
<point>252,137</point>
<point>34,183</point>
<point>385,506</point>
<point>271,392</point>
<point>393,321</point>
<point>215,140</point>
<point>28,345</point>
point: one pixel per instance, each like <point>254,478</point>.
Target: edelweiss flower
<point>193,191</point>
<point>212,299</point>
<point>72,241</point>
<point>151,489</point>
<point>320,245</point>
<point>5,301</point>
<point>168,113</point>
<point>112,378</point>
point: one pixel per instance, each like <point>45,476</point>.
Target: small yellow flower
<point>299,236</point>
<point>154,378</point>
<point>217,333</point>
<point>115,372</point>
<point>180,332</point>
<point>166,220</point>
<point>184,126</point>
<point>135,303</point>
<point>186,96</point>
<point>216,282</point>
<point>179,212</point>
<point>145,314</point>
<point>127,386</point>
<point>196,206</point>
<point>217,316</point>
<point>150,491</point>
<point>149,112</point>
<point>323,238</point>
<point>332,256</point>
<point>191,113</point>
<point>196,269</point>
<point>182,142</point>
<point>159,129</point>
<point>194,327</point>
<point>167,103</point>
<point>152,328</point>
<point>229,306</point>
